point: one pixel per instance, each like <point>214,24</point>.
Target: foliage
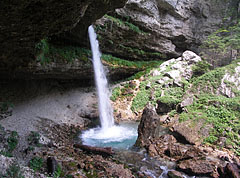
<point>47,52</point>
<point>36,163</point>
<point>14,171</point>
<point>224,38</point>
<point>219,111</point>
<point>142,52</point>
<point>125,23</point>
<point>115,93</point>
<point>4,106</point>
<point>117,62</point>
<point>58,172</point>
<point>201,68</point>
<point>142,98</point>
<point>12,141</point>
<point>33,139</point>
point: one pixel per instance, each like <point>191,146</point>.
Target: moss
<point>36,163</point>
<point>201,68</point>
<point>117,62</point>
<point>142,52</point>
<point>121,22</point>
<point>47,52</point>
<point>219,111</point>
<point>115,93</point>
<point>142,98</point>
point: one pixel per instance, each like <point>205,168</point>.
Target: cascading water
<point>105,108</point>
<point>108,134</point>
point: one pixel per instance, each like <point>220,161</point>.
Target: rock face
<point>157,29</point>
<point>24,23</point>
<point>148,126</point>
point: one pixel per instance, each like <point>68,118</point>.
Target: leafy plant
<point>36,163</point>
<point>12,141</point>
<point>33,139</point>
<point>201,68</point>
<point>58,172</point>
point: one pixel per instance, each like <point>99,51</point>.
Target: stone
<point>191,57</point>
<point>164,108</point>
<point>187,101</point>
<point>174,174</point>
<point>186,133</point>
<point>233,170</point>
<point>167,27</point>
<point>52,165</point>
<point>5,163</point>
<point>148,126</point>
<point>173,74</point>
<point>196,167</point>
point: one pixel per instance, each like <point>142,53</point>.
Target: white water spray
<point>105,109</point>
<point>108,134</point>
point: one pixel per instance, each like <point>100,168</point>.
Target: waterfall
<point>121,136</point>
<point>104,105</point>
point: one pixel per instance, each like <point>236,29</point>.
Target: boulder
<point>196,167</point>
<point>175,174</point>
<point>148,127</point>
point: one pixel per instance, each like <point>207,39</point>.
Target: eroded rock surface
<point>160,28</point>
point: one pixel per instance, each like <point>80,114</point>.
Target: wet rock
<point>148,126</point>
<point>175,174</point>
<point>196,167</point>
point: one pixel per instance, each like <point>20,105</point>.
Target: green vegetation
<point>142,53</point>
<point>36,163</point>
<point>142,97</point>
<point>46,53</point>
<point>115,93</point>
<point>58,172</point>
<point>201,68</point>
<point>117,62</point>
<point>224,39</point>
<point>12,142</point>
<point>14,171</point>
<point>33,139</point>
<point>221,112</point>
<point>125,23</point>
<point>4,106</point>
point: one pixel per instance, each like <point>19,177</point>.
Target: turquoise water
<point>122,136</point>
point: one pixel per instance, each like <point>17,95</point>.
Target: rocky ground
<point>41,120</point>
<point>169,103</point>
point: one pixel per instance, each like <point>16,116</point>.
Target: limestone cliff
<point>157,29</point>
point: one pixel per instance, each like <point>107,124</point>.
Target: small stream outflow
<point>104,105</point>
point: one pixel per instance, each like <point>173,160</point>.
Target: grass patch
<point>36,163</point>
<point>120,22</point>
<point>142,97</point>
<point>222,113</point>
<point>117,62</point>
